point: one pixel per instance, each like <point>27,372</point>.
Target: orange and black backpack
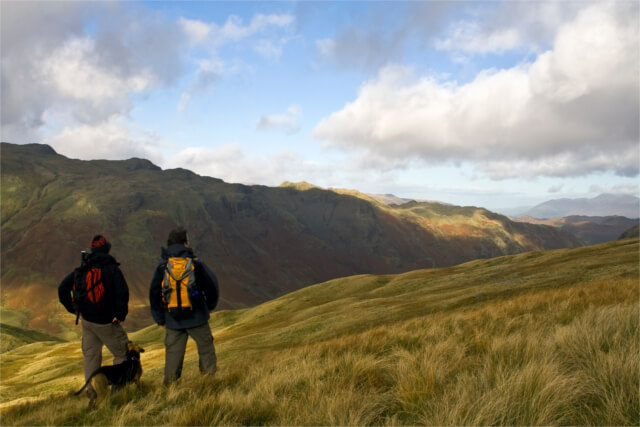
<point>88,289</point>
<point>179,291</point>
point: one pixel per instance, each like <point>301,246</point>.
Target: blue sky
<point>494,104</point>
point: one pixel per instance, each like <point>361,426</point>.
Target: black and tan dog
<point>116,375</point>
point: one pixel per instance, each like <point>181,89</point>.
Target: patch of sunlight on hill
<point>13,337</point>
<point>538,338</point>
<point>11,317</point>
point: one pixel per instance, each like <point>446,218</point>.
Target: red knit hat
<point>100,244</point>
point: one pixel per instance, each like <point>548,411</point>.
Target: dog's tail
<point>83,387</point>
<point>88,381</point>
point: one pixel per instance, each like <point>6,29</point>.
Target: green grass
<point>13,337</point>
<point>546,338</point>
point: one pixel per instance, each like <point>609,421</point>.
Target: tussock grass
<point>562,352</point>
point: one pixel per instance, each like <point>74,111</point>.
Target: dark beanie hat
<point>100,244</point>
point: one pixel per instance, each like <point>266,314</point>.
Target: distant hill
<point>632,232</point>
<point>12,337</point>
<point>262,242</point>
<point>602,205</point>
<point>589,229</point>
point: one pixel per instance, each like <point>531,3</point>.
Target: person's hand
<point>115,321</point>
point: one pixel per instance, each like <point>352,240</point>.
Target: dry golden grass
<point>560,346</point>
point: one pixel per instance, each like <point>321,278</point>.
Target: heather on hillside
<point>545,338</point>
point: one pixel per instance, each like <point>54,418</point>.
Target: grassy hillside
<point>262,242</point>
<point>12,337</point>
<point>630,233</point>
<point>543,338</point>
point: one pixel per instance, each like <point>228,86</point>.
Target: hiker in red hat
<point>97,291</point>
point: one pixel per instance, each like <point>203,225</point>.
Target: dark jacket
<point>206,282</point>
<point>116,291</point>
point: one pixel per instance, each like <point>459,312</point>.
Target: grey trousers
<point>94,336</point>
<point>175,342</point>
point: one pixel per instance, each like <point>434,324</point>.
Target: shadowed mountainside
<point>262,242</point>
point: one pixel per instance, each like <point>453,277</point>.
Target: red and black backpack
<point>88,290</point>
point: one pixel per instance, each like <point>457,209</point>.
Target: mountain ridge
<point>262,242</point>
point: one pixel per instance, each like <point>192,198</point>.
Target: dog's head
<point>134,350</point>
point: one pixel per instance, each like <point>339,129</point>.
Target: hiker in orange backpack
<point>97,291</point>
<point>182,293</point>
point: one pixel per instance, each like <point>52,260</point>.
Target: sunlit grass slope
<point>12,337</point>
<point>544,338</point>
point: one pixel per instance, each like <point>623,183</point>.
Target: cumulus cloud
<point>572,111</point>
<point>211,35</point>
<point>114,139</point>
<point>232,164</point>
<point>233,29</point>
<point>356,48</point>
<point>24,99</point>
<point>80,78</point>
<point>381,33</point>
<point>209,72</point>
<point>287,122</point>
<point>74,75</point>
<point>469,37</point>
<point>271,49</point>
<point>528,26</point>
<point>196,31</point>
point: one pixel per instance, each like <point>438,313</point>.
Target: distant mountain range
<point>589,229</point>
<point>602,205</point>
<point>262,242</point>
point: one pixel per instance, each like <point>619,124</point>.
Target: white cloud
<point>232,164</point>
<point>209,72</point>
<point>623,163</point>
<point>379,33</point>
<point>212,35</point>
<point>326,47</point>
<point>469,37</point>
<point>269,48</point>
<point>573,111</point>
<point>53,68</point>
<point>287,122</point>
<point>114,139</point>
<point>522,26</point>
<point>73,73</point>
<point>196,31</point>
<point>233,29</point>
